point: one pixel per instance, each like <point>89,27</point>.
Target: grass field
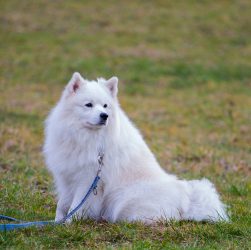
<point>185,80</point>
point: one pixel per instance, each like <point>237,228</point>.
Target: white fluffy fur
<point>133,186</point>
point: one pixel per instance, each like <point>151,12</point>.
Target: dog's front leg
<point>82,213</point>
<point>63,206</point>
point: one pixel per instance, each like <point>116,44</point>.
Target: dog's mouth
<point>97,125</point>
<point>102,123</point>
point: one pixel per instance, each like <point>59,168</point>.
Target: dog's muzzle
<point>103,118</point>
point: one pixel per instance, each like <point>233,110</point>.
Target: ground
<point>185,81</point>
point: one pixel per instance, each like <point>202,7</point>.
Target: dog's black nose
<point>103,116</point>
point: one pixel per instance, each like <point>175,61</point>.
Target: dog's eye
<point>89,105</point>
<point>105,106</point>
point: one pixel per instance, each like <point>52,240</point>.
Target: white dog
<point>133,187</point>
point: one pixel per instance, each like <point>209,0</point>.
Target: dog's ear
<point>75,83</point>
<point>112,85</point>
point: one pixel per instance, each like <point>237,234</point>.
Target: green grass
<point>185,80</point>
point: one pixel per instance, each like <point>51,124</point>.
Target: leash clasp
<point>95,191</point>
<point>100,159</point>
<point>101,164</point>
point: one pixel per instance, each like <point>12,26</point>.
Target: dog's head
<point>90,104</point>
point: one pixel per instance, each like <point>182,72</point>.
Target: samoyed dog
<point>133,187</point>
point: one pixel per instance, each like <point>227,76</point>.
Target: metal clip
<point>100,163</point>
<point>95,191</point>
<point>100,159</point>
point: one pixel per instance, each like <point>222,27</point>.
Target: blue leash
<point>24,224</point>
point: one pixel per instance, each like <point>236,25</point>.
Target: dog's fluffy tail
<point>205,203</point>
